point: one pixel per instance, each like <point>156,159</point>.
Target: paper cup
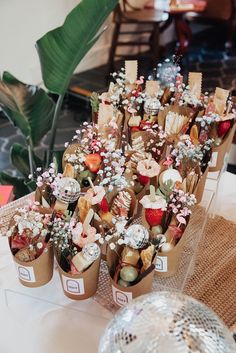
<point>38,272</point>
<point>201,186</point>
<point>218,153</point>
<point>167,264</point>
<point>81,286</point>
<point>124,295</point>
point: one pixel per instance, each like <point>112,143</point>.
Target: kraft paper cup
<point>124,295</point>
<point>198,192</point>
<point>167,264</point>
<point>218,153</point>
<point>38,272</point>
<point>80,286</point>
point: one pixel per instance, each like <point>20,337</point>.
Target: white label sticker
<point>26,274</point>
<point>213,160</point>
<point>161,264</point>
<point>73,286</point>
<point>121,298</point>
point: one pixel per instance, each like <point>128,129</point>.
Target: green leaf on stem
<point>61,50</point>
<point>27,107</point>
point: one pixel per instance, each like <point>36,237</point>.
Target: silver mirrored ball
<point>152,106</point>
<point>166,322</point>
<point>67,190</point>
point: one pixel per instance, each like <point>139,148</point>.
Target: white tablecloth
<point>56,324</point>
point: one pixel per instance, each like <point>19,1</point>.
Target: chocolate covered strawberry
<point>223,128</point>
<point>153,216</point>
<point>144,180</point>
<point>154,206</point>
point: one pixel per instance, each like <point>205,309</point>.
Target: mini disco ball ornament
<point>136,236</point>
<point>167,72</point>
<point>152,106</point>
<point>91,252</point>
<point>67,190</point>
<point>165,322</point>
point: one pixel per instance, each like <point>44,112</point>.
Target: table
<point>63,326</point>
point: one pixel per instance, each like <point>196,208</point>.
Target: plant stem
<point>54,127</point>
<point>31,159</point>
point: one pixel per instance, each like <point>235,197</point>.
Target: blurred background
<point>201,33</point>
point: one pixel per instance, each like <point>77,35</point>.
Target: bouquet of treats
<point>29,240</point>
<point>130,260</point>
<point>29,233</point>
<point>77,250</point>
<point>166,216</point>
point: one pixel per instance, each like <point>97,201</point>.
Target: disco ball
<point>152,106</point>
<point>136,236</point>
<point>165,322</point>
<point>167,72</point>
<point>67,190</point>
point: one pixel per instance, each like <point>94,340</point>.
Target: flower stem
<point>54,128</point>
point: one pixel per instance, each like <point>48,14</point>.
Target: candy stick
<point>152,193</point>
<point>92,185</point>
<point>149,160</point>
<point>88,219</point>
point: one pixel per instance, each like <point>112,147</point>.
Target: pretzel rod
<point>91,184</point>
<point>88,219</point>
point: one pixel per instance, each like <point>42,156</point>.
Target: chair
<point>219,12</point>
<point>126,14</point>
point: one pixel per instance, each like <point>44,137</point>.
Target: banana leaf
<point>27,107</point>
<point>20,159</point>
<point>61,50</point>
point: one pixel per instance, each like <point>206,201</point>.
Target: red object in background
<point>223,128</point>
<point>144,180</point>
<point>6,194</point>
<point>104,205</point>
<point>153,216</point>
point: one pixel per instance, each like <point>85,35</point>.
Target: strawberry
<point>223,128</point>
<point>135,129</point>
<point>104,205</point>
<point>153,217</point>
<point>93,162</point>
<point>145,124</point>
<point>144,180</point>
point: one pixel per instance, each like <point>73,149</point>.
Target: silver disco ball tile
<point>165,322</point>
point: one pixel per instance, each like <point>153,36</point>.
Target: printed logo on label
<point>73,286</point>
<point>213,160</point>
<point>26,273</point>
<point>161,263</point>
<point>121,298</point>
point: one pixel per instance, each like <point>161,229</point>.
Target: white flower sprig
<point>206,120</point>
<point>48,177</point>
<point>30,222</point>
<point>180,204</point>
<point>186,152</point>
<point>112,174</point>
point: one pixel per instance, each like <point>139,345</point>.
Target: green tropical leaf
<point>61,50</point>
<point>27,107</point>
<point>20,159</point>
<point>20,189</point>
